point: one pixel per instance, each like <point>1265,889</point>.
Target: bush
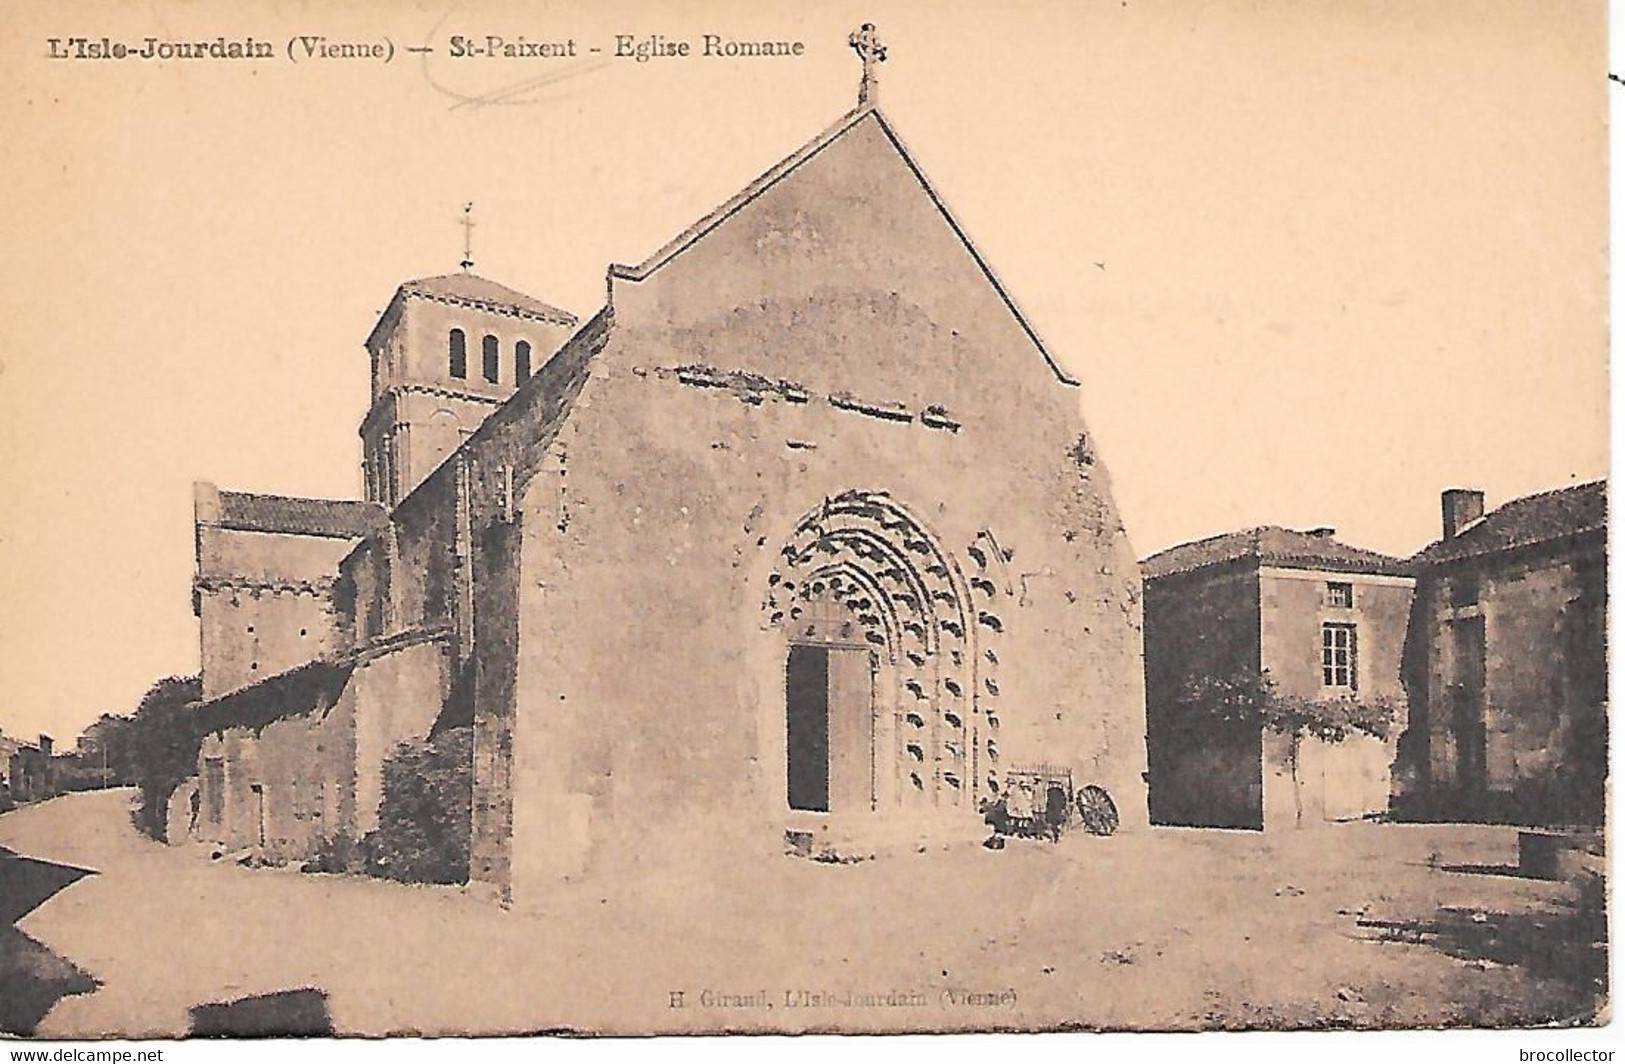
<point>334,853</point>
<point>425,819</point>
<point>163,746</point>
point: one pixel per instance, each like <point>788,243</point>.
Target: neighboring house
<point>8,746</point>
<point>1324,619</point>
<point>30,772</point>
<point>800,535</point>
<point>1508,666</point>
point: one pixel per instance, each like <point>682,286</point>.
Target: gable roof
<point>1271,545</point>
<point>335,518</point>
<point>788,165</point>
<point>1524,522</point>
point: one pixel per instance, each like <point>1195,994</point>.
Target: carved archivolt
<point>933,636</point>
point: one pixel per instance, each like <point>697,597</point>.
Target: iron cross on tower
<point>468,237</point>
<point>866,42</point>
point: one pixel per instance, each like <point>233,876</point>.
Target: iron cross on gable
<point>468,236</point>
<point>866,42</point>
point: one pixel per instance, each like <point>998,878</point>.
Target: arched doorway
<point>882,693</point>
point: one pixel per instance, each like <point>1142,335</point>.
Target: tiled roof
<point>470,288</point>
<point>1523,522</point>
<point>313,685</point>
<point>335,518</point>
<point>1270,545</point>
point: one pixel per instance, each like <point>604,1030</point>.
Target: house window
<point>521,362</point>
<point>1337,656</point>
<point>1339,595</point>
<point>488,348</point>
<point>459,354</point>
<point>1464,590</point>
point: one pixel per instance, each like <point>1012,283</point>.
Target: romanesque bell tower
<point>445,353</point>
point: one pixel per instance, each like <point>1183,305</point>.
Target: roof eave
<point>1433,555</point>
<point>389,309</point>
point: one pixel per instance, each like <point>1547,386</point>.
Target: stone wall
<point>1352,778</point>
<point>730,407</point>
<point>251,632</point>
<point>1544,675</point>
<point>288,783</point>
<point>263,598</point>
<point>394,696</point>
<point>1197,625</point>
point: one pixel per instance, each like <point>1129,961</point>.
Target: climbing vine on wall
<point>424,830</point>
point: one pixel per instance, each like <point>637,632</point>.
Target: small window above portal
<point>1339,594</point>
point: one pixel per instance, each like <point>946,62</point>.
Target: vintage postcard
<point>537,516</point>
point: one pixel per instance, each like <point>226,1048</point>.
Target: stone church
<point>800,536</point>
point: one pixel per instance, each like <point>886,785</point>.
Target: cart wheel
<point>1098,811</point>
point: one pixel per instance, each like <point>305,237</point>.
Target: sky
<point>1312,261</point>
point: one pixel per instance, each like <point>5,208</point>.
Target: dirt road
<point>1355,925</point>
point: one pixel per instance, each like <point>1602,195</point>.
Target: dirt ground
<point>1357,925</point>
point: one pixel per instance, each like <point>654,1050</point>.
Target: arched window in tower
<point>489,350</point>
<point>459,354</point>
<point>521,362</point>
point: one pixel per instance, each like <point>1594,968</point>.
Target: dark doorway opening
<point>1467,696</point>
<point>214,789</point>
<point>829,722</point>
<point>259,805</point>
<point>807,728</point>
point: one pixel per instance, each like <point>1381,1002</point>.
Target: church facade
<point>800,536</point>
